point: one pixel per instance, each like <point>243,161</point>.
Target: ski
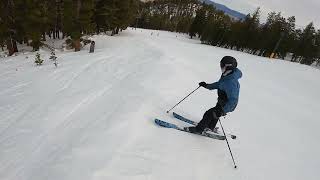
<point>173,126</point>
<point>179,117</point>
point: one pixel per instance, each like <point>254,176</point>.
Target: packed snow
<point>93,116</point>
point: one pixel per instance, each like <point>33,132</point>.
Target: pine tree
<point>37,21</point>
<point>56,18</point>
<point>105,17</point>
<point>251,35</point>
<point>125,14</point>
<point>86,17</point>
<point>288,42</point>
<point>8,31</point>
<point>77,15</point>
<point>307,47</point>
<point>38,59</point>
<point>198,23</point>
<point>53,57</point>
<point>317,48</point>
<point>3,30</point>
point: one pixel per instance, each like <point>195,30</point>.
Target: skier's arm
<point>213,86</point>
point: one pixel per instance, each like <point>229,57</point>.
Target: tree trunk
<point>78,9</point>
<point>36,45</point>
<point>43,36</point>
<point>293,58</point>
<point>15,47</point>
<point>261,53</point>
<point>58,34</point>
<point>11,46</point>
<point>76,41</point>
<point>117,31</point>
<point>26,41</point>
<point>77,45</point>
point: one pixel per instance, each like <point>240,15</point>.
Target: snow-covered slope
<point>92,117</point>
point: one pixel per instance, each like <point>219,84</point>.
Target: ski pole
<point>235,166</point>
<point>183,99</point>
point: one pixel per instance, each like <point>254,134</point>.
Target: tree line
<point>278,36</point>
<point>31,21</point>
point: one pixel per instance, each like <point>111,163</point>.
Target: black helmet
<point>229,62</point>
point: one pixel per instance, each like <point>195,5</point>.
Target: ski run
<point>92,118</point>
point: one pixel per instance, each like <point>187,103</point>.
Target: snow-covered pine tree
<point>53,57</point>
<point>38,60</point>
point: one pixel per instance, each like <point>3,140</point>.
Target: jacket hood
<point>236,74</point>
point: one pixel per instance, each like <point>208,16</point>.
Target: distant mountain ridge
<point>225,9</point>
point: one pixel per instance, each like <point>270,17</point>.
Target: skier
<point>228,94</point>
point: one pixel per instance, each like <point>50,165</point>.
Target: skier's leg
<point>204,123</point>
<point>216,114</point>
<point>213,123</point>
<point>206,120</point>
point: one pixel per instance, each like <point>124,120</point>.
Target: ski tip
<point>165,124</point>
<point>158,121</point>
<point>175,114</point>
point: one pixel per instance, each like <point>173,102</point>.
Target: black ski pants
<point>210,118</point>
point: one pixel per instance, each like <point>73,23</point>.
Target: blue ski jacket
<point>230,86</point>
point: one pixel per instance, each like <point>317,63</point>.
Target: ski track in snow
<point>92,117</point>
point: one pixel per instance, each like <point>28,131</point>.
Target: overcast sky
<point>305,11</point>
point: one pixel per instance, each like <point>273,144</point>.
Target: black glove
<point>203,84</point>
